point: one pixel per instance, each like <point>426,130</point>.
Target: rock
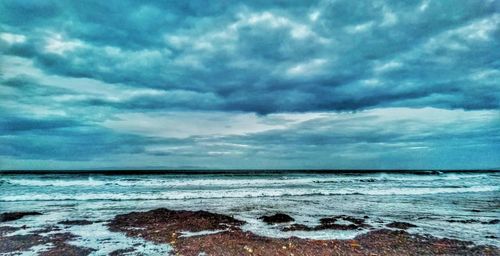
<point>298,227</point>
<point>46,229</point>
<point>400,225</point>
<point>277,218</point>
<point>122,252</point>
<point>368,180</point>
<point>164,223</point>
<point>328,220</point>
<point>61,247</point>
<point>495,221</point>
<point>58,243</point>
<point>67,250</point>
<point>354,220</point>
<point>325,226</point>
<point>463,221</point>
<point>330,223</point>
<point>7,229</point>
<point>17,243</point>
<point>10,216</point>
<point>75,222</point>
<point>337,226</point>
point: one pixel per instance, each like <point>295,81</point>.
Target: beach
<point>373,213</point>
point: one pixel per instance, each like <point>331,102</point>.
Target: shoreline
<point>206,233</point>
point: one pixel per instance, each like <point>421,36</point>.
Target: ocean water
<point>429,201</point>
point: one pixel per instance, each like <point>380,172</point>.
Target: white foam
<point>424,191</point>
<point>57,182</point>
<point>98,237</point>
<point>201,233</point>
<point>405,177</point>
<point>35,250</point>
<point>243,193</point>
<point>162,182</point>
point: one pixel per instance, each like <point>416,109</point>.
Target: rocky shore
<point>57,244</point>
<point>52,238</point>
<point>205,233</point>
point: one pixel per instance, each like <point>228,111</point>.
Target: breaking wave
<point>241,193</point>
<point>238,182</point>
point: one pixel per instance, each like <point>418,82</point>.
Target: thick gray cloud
<point>249,84</point>
<point>265,58</point>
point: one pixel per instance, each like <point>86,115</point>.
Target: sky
<point>333,84</point>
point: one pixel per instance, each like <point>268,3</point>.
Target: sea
<point>457,205</point>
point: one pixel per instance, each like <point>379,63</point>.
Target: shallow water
<point>428,201</point>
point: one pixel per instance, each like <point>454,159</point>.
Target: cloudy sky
<point>253,84</point>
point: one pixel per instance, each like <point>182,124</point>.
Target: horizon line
<point>238,171</point>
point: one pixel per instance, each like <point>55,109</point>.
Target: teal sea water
<point>454,205</point>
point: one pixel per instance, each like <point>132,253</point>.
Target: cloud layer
<point>229,84</point>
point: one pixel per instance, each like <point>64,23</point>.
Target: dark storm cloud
<point>63,139</point>
<point>77,145</point>
<point>264,57</point>
<point>25,86</point>
<point>397,142</point>
<point>13,124</point>
<point>250,84</point>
